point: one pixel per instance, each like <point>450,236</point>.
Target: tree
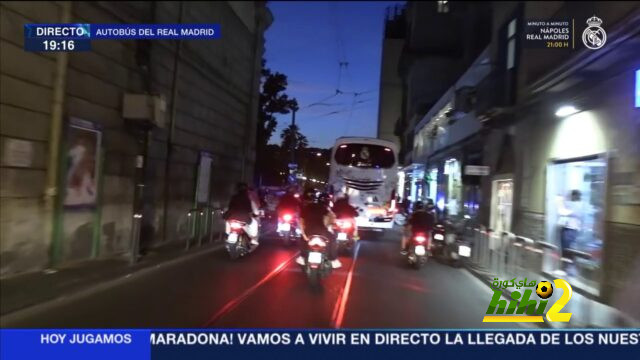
<point>291,135</point>
<point>272,101</point>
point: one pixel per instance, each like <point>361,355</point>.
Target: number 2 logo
<point>554,314</point>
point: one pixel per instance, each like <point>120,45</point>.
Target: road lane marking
<point>227,308</point>
<point>341,304</point>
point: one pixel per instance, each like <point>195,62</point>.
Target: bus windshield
<point>365,156</point>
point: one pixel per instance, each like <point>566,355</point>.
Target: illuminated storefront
<point>432,184</point>
<point>453,193</point>
<point>501,205</point>
<point>575,198</point>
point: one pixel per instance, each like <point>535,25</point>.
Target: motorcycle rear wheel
<point>234,254</point>
<point>314,276</point>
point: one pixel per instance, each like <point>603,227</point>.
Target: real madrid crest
<point>594,37</point>
<point>364,153</point>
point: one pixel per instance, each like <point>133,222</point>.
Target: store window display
<point>574,218</point>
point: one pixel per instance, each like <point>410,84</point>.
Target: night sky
<point>307,41</point>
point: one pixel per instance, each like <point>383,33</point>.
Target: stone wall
<point>215,94</point>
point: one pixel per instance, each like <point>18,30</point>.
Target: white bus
<point>367,170</point>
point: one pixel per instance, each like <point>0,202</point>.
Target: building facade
<point>442,39</point>
<point>556,133</point>
<point>76,171</point>
<point>390,104</point>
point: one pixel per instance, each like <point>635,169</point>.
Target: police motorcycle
<point>238,242</point>
<point>317,264</point>
<point>345,234</point>
<point>417,250</point>
<point>288,230</point>
<point>457,249</point>
<point>439,244</point>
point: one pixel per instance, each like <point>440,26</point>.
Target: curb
<point>91,289</point>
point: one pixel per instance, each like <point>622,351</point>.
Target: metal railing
<point>203,224</point>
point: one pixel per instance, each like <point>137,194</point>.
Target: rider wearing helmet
<point>343,210</point>
<point>421,220</point>
<point>289,201</point>
<point>316,218</point>
<point>243,208</point>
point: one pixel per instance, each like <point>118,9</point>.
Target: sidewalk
<point>587,313</point>
<point>26,290</point>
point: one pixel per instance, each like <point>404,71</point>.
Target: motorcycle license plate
<point>420,250</point>
<point>342,236</point>
<point>315,258</point>
<point>464,251</point>
<point>233,238</point>
<point>284,227</point>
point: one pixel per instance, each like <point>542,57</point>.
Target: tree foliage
<point>272,101</point>
<point>292,135</point>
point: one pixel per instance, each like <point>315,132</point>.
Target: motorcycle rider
<point>421,220</point>
<point>316,218</point>
<point>344,210</point>
<point>243,208</point>
<point>431,208</point>
<point>289,201</point>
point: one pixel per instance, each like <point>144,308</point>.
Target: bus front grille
<point>363,185</point>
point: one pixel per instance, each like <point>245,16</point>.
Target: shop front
<point>501,204</point>
<point>411,183</point>
<point>575,218</point>
<point>432,184</point>
<point>575,201</point>
<point>453,187</point>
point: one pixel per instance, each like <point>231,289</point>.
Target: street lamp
<point>318,154</point>
<point>328,164</point>
<point>566,110</point>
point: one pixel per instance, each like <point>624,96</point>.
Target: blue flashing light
<point>440,203</point>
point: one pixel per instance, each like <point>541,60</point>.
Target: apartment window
<point>511,45</point>
<point>443,6</point>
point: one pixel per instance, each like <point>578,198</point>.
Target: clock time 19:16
<point>62,45</point>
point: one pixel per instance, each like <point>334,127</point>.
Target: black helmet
<point>418,205</point>
<point>324,199</point>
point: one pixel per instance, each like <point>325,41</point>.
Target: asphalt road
<point>267,289</point>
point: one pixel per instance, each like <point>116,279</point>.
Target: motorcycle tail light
<point>316,241</point>
<point>236,225</point>
<point>420,238</point>
<point>287,217</point>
